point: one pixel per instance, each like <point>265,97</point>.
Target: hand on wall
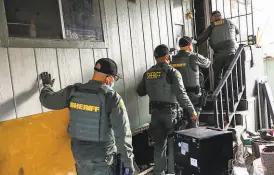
<point>46,79</point>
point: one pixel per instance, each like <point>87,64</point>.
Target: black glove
<point>46,79</point>
<point>128,171</point>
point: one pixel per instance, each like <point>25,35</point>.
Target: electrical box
<point>201,151</point>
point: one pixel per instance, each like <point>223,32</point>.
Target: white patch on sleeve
<point>193,162</point>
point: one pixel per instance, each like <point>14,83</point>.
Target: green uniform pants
<point>161,126</point>
<point>220,66</point>
<point>93,158</point>
<point>195,100</point>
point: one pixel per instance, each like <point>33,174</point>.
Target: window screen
<point>53,19</point>
<point>82,19</point>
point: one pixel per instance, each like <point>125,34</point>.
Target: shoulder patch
<point>122,104</point>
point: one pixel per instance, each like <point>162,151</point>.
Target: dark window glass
<point>82,19</point>
<point>33,18</point>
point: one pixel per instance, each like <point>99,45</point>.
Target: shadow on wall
<point>7,108</point>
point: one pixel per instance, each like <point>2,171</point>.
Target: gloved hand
<point>46,79</point>
<point>193,40</point>
<point>128,171</point>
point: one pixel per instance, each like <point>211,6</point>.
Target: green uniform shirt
<point>116,109</point>
<point>177,87</point>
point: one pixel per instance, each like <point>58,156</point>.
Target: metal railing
<point>229,91</point>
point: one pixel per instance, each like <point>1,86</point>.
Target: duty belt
<point>162,105</point>
<point>195,89</point>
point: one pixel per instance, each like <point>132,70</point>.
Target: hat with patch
<point>185,41</point>
<point>161,51</point>
<point>107,66</point>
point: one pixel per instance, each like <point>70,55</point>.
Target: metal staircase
<point>226,98</point>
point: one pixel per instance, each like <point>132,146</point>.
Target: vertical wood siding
<point>114,50</point>
<point>127,61</point>
<point>134,30</point>
<point>139,57</point>
<point>154,21</point>
<point>24,80</point>
<point>7,108</point>
<point>87,64</point>
<point>46,61</point>
<point>69,66</point>
<point>169,23</point>
<point>147,34</point>
<point>161,5</point>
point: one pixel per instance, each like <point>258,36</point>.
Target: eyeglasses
<point>116,78</point>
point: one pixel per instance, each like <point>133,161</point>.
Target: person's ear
<point>190,47</point>
<point>109,80</point>
<point>168,58</point>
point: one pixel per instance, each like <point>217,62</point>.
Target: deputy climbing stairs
<point>222,106</point>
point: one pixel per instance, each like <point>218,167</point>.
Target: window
<point>82,19</point>
<point>33,18</point>
<point>69,20</point>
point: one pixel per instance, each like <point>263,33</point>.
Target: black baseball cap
<point>185,41</point>
<point>162,50</point>
<point>216,13</point>
<point>107,66</point>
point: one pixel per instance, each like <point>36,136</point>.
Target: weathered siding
<point>6,89</point>
<point>48,56</point>
<point>24,80</point>
<point>269,72</point>
<point>134,29</point>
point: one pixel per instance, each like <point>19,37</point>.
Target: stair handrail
<point>228,72</point>
<point>224,111</point>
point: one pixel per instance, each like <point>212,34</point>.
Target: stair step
<point>212,112</point>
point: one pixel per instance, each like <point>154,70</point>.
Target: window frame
<point>6,41</point>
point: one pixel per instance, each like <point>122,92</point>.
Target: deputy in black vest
<point>188,63</point>
<point>222,34</point>
<point>99,125</point>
